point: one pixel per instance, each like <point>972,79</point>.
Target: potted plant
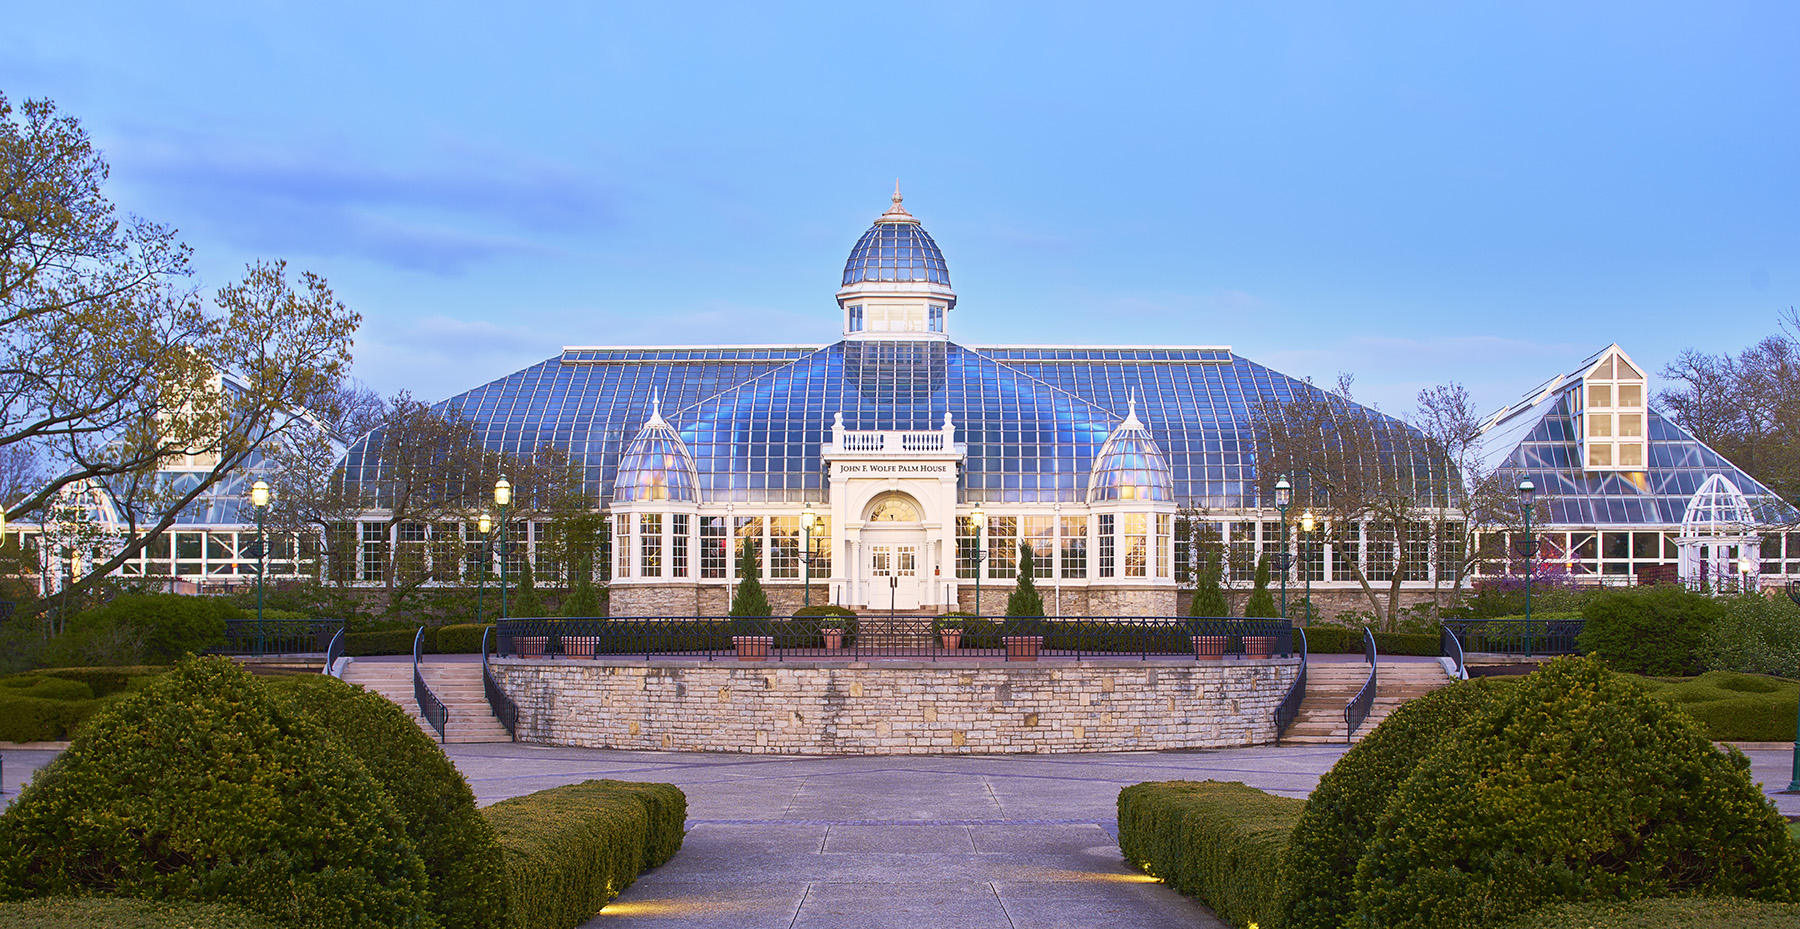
<point>834,626</point>
<point>949,632</point>
<point>832,630</point>
<point>749,637</point>
<point>1209,647</point>
<point>1259,646</point>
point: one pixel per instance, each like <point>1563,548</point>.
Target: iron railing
<point>277,636</point>
<point>502,706</point>
<point>908,637</point>
<point>1451,647</point>
<point>1517,636</point>
<point>1289,708</point>
<point>435,712</point>
<point>1359,706</point>
<point>333,652</point>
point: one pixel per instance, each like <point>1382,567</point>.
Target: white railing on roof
<point>910,441</point>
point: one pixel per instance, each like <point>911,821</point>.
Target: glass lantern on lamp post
<point>1284,495</point>
<point>978,517</point>
<point>807,518</point>
<point>502,499</point>
<point>1306,540</point>
<point>259,499</point>
<point>1527,495</point>
<point>482,527</point>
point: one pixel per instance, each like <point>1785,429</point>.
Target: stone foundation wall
<point>895,708</point>
<point>1079,601</point>
<point>674,599</point>
<point>1327,604</point>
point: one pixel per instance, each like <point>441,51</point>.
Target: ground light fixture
<point>1284,495</point>
<point>259,499</point>
<point>502,499</point>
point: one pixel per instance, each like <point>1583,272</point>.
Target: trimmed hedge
<point>464,867</point>
<point>1648,630</point>
<point>1732,707</point>
<point>49,705</point>
<point>204,787</point>
<point>120,913</point>
<point>1665,913</point>
<point>1221,843</point>
<point>458,639</point>
<point>571,849</point>
<point>1577,785</point>
<point>387,642</point>
<point>1348,640</point>
<point>1342,813</point>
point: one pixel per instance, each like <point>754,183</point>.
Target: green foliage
<point>1025,599</point>
<point>204,787</point>
<point>1220,843</point>
<point>1575,786</point>
<point>49,705</point>
<point>460,639</point>
<point>119,913</point>
<point>136,629</point>
<point>1209,598</point>
<point>1732,707</point>
<point>1507,598</point>
<point>571,849</point>
<point>1341,815</point>
<point>1665,913</point>
<point>1648,630</point>
<point>582,600</point>
<point>1754,634</point>
<point>463,863</point>
<point>824,609</point>
<point>1341,640</point>
<point>749,599</point>
<point>1261,604</point>
<point>526,604</point>
<point>387,642</point>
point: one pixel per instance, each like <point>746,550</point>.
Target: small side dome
<point>1718,508</point>
<point>656,466</point>
<point>1131,466</point>
<point>896,249</point>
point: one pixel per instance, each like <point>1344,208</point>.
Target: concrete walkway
<point>1010,841</point>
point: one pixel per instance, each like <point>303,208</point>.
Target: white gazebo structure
<point>1719,544</point>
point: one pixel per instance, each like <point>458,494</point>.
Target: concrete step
<point>458,686</point>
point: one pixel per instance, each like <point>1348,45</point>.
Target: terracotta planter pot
<point>531,646</point>
<point>580,646</point>
<point>952,638</point>
<point>834,638</point>
<point>1259,646</point>
<point>752,647</point>
<point>1022,647</point>
<point>1209,647</point>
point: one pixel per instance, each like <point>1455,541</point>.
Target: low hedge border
<point>1348,640</point>
<point>571,849</point>
<point>1221,843</point>
<point>458,639</point>
<point>108,912</point>
<point>1664,913</point>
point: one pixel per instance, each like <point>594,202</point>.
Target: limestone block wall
<point>1076,601</point>
<point>895,707</point>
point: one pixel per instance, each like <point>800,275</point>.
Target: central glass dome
<point>896,249</point>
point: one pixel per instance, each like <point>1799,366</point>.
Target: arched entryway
<point>893,565</point>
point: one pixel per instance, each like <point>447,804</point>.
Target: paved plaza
<point>1005,841</point>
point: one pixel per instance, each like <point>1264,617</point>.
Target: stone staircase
<point>458,684</point>
<point>1331,684</point>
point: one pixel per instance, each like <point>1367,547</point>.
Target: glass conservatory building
<point>892,466</point>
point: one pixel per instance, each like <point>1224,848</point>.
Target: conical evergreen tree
<point>582,600</point>
<point>1262,603</point>
<point>749,599</point>
<point>1025,600</point>
<point>526,603</point>
<point>1209,598</point>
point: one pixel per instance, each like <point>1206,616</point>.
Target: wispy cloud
<point>470,206</point>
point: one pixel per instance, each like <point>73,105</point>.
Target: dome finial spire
<point>896,213</point>
<point>655,407</point>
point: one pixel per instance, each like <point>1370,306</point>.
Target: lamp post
<point>806,523</point>
<point>1744,567</point>
<point>482,527</point>
<point>502,497</point>
<point>1284,495</point>
<point>1306,531</point>
<point>980,518</point>
<point>1527,493</point>
<point>259,498</point>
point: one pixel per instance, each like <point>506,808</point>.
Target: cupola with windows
<point>1131,466</point>
<point>657,465</point>
<point>896,285</point>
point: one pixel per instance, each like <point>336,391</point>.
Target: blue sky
<point>1413,192</point>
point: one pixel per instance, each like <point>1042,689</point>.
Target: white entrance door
<point>893,576</point>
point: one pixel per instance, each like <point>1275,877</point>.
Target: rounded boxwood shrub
<point>159,627</point>
<point>204,787</point>
<point>1343,810</point>
<point>1759,635</point>
<point>464,865</point>
<point>1577,785</point>
<point>104,912</point>
<point>1648,630</point>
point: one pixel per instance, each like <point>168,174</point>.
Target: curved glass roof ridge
<point>1131,466</point>
<point>656,466</point>
<point>896,251</point>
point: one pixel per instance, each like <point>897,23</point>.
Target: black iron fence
<point>857,638</point>
<point>1359,706</point>
<point>502,706</point>
<point>1517,636</point>
<point>277,637</point>
<point>436,714</point>
<point>1288,709</point>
